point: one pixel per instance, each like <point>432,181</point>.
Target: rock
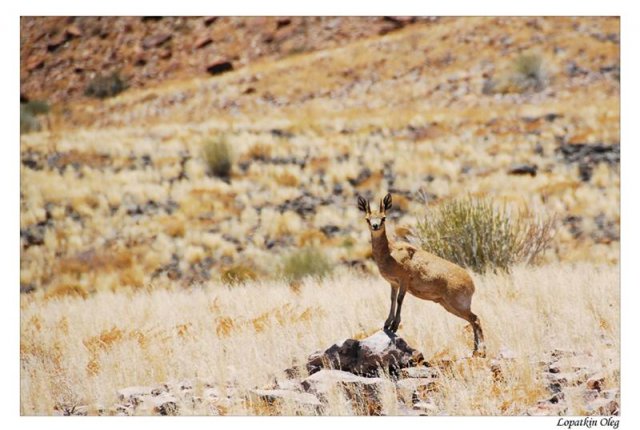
<point>134,394</point>
<point>73,31</point>
<point>566,378</point>
<point>162,404</point>
<point>289,384</point>
<point>330,230</point>
<point>155,40</point>
<point>413,390</point>
<point>571,364</point>
<point>546,409</point>
<point>524,169</point>
<point>208,20</point>
<point>426,406</point>
<point>364,392</point>
<point>202,42</point>
<point>363,175</point>
<point>35,62</point>
<point>56,41</point>
<point>419,372</point>
<point>602,406</point>
<point>596,382</point>
<point>589,154</point>
<point>611,394</point>
<point>382,350</point>
<point>324,380</point>
<point>280,399</point>
<point>218,67</point>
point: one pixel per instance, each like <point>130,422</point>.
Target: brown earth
<point>60,55</point>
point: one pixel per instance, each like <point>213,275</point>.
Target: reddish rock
<point>56,41</point>
<point>203,41</point>
<point>73,31</point>
<point>35,62</point>
<point>219,66</point>
<point>596,382</point>
<point>165,53</point>
<point>155,40</point>
<point>208,20</point>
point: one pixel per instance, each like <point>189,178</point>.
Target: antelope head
<point>375,218</point>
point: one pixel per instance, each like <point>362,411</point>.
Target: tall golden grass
<point>80,351</point>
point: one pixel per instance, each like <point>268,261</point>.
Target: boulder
<point>524,169</point>
<point>134,394</point>
<point>363,393</point>
<point>162,404</point>
<point>155,40</point>
<point>413,390</point>
<point>419,372</point>
<point>219,66</point>
<point>426,407</point>
<point>380,351</point>
<point>602,406</point>
<point>278,401</point>
<point>596,382</point>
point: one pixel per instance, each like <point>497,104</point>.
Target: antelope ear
<point>387,202</point>
<point>363,205</point>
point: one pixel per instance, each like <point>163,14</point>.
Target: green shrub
<point>308,261</point>
<point>217,154</point>
<point>529,72</point>
<point>479,235</point>
<point>104,86</point>
<point>29,112</point>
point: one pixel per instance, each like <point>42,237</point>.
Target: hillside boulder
<point>367,357</point>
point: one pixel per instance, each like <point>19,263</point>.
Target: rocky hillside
<point>61,55</point>
<point>120,192</point>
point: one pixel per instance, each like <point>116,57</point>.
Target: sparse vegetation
<point>73,350</point>
<point>29,113</point>
<point>478,234</point>
<point>309,261</point>
<point>529,72</point>
<point>238,274</point>
<point>218,156</point>
<point>105,86</point>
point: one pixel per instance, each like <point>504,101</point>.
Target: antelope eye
<point>368,221</point>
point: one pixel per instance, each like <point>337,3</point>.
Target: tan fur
<point>422,274</point>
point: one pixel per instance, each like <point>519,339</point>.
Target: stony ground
<point>61,55</point>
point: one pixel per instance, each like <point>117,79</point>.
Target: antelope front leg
<point>389,322</point>
<point>396,319</point>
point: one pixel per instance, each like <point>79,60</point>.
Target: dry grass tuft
<point>218,156</point>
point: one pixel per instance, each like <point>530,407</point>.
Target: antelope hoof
<point>394,326</point>
<point>388,324</point>
<point>479,354</point>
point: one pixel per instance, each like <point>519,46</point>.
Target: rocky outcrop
<point>382,352</point>
<point>417,389</point>
<point>60,54</point>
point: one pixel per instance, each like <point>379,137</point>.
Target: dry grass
<point>406,106</point>
<point>80,351</point>
<point>118,214</point>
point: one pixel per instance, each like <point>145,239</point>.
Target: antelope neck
<point>380,246</point>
